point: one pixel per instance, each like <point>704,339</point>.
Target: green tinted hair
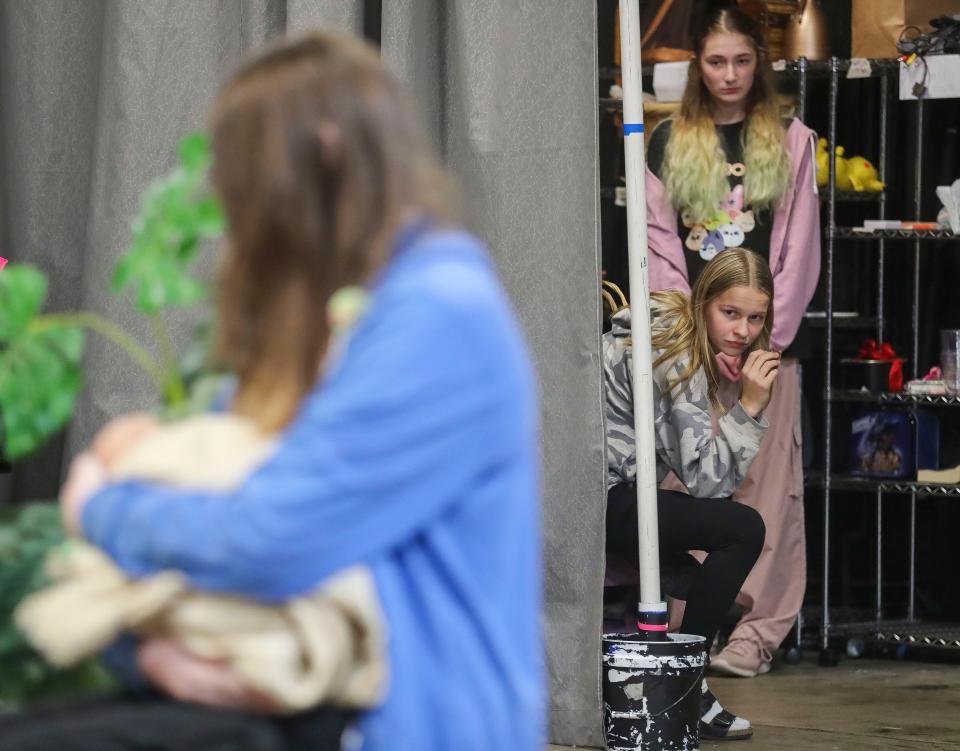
<point>695,166</point>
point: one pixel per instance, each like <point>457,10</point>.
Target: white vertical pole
<point>650,596</point>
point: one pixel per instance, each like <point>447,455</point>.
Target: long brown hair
<point>695,166</point>
<point>318,160</point>
<point>682,331</point>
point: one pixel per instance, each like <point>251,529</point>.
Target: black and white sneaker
<point>716,723</point>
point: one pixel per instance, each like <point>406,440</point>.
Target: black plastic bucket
<point>651,692</point>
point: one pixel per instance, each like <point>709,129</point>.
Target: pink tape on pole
<point>651,626</point>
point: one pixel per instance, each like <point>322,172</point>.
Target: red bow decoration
<point>871,349</point>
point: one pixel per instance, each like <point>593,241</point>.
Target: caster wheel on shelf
<point>855,647</point>
<point>792,656</point>
<point>829,658</point>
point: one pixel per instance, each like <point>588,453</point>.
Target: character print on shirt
<point>745,220</point>
<point>733,202</point>
<point>712,244</point>
<point>696,237</point>
<point>727,227</point>
<point>717,218</point>
<point>732,234</point>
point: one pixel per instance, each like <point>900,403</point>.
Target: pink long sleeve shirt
<point>794,238</point>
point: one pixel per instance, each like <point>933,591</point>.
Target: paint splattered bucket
<point>651,692</point>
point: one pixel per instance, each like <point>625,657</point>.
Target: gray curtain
<point>94,96</point>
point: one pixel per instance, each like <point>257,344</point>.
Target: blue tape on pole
<point>629,128</point>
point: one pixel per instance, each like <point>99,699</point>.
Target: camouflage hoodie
<point>711,463</point>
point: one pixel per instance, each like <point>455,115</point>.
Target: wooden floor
<point>862,705</point>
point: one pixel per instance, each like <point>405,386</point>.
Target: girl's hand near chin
<point>730,366</point>
<point>758,374</point>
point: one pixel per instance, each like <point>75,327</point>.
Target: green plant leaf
<point>177,215</point>
<point>23,290</point>
<point>39,382</point>
<point>26,537</point>
<point>41,355</point>
<point>39,366</point>
<point>195,152</point>
<point>210,219</point>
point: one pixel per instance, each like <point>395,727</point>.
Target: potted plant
<point>41,376</point>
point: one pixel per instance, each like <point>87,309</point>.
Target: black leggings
<point>160,724</point>
<point>730,533</point>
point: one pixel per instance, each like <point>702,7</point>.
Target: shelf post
<point>879,554</point>
<point>828,359</point>
<point>911,610</point>
<point>884,102</point>
<point>917,198</point>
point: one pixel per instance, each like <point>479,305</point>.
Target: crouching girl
<point>728,311</point>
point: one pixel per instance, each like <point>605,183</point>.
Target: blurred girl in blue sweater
<point>413,453</point>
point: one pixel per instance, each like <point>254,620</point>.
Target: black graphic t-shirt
<point>732,225</point>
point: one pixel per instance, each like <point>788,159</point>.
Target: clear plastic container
<point>950,359</point>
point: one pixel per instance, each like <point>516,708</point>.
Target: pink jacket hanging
<point>794,239</point>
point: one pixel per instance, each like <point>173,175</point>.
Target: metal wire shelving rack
<point>876,629</point>
<point>908,632</point>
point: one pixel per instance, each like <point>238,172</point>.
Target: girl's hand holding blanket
<point>88,471</point>
<point>188,678</point>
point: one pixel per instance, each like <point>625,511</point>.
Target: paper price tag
<point>620,196</point>
<point>859,68</point>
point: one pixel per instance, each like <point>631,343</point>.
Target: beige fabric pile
<point>325,647</point>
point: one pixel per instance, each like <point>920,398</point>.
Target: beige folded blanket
<point>325,647</point>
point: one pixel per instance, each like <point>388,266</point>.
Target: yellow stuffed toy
<point>855,173</point>
<point>843,171</point>
<point>863,175</point>
<point>823,167</point>
<point>823,163</point>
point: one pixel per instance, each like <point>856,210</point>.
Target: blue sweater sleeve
<point>120,658</point>
<point>387,443</point>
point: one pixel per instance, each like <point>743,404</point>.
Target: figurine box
<point>893,444</point>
